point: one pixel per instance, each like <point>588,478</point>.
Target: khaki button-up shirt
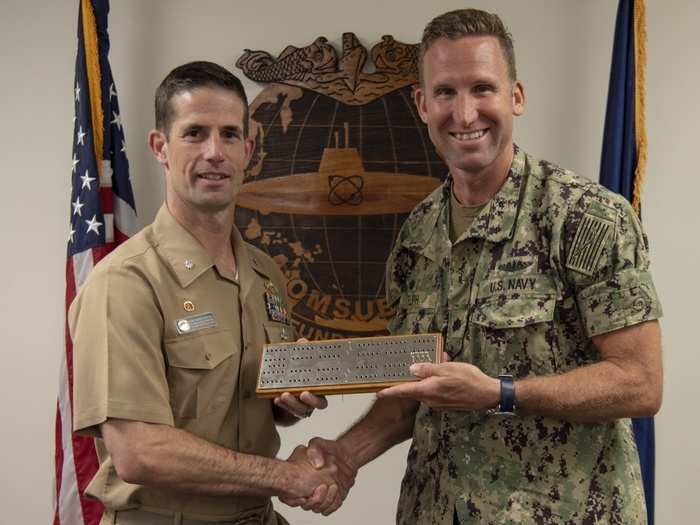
<point>160,336</point>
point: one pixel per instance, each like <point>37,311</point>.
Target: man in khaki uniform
<point>539,281</point>
<point>167,333</point>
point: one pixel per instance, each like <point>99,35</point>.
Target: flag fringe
<point>640,56</point>
<point>92,64</point>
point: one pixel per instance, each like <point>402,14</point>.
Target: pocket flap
<point>515,301</point>
<point>514,311</point>
<point>423,301</point>
<point>200,351</point>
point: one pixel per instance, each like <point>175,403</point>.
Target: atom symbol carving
<point>345,190</point>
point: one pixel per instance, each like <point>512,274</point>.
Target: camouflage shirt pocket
<point>513,331</point>
<point>515,311</point>
<point>415,314</point>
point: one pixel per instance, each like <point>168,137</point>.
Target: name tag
<point>194,323</point>
<point>522,283</point>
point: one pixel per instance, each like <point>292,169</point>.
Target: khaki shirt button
<point>207,356</point>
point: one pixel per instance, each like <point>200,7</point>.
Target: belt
<point>259,516</point>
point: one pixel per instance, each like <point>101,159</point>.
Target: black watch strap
<point>506,407</point>
<point>507,404</point>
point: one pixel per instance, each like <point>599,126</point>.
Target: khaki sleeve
<point>118,365</point>
<point>607,260</point>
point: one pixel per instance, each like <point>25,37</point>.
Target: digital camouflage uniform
<point>551,261</point>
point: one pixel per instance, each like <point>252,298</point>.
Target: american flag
<point>102,215</point>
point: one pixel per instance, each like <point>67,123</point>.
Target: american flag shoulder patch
<point>591,237</point>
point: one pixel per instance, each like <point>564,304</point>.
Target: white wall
<point>671,218</point>
<point>563,49</point>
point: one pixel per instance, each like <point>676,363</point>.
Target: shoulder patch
<point>592,235</point>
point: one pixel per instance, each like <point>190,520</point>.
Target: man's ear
<point>249,149</point>
<point>518,98</point>
<point>158,143</point>
<point>419,99</point>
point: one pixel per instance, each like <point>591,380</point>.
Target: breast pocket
<point>202,372</point>
<point>514,331</point>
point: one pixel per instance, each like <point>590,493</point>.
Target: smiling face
<point>204,152</point>
<point>468,102</point>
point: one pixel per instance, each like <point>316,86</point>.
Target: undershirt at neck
<point>461,216</point>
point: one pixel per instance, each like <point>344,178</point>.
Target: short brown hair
<point>467,22</point>
<point>191,76</point>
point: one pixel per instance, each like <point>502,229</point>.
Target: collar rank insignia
<point>276,310</point>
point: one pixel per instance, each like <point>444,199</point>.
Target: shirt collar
<point>188,260</point>
<point>423,231</point>
<point>429,221</point>
<point>497,220</point>
<point>248,263</point>
<point>179,249</point>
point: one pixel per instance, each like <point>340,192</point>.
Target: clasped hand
<point>330,467</point>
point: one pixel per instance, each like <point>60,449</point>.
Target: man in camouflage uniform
<point>539,281</point>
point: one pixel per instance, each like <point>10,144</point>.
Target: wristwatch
<point>506,407</point>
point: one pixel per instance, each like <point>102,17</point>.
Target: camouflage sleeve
<point>393,291</point>
<point>393,288</point>
<point>607,262</point>
<point>399,269</point>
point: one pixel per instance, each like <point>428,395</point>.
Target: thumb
<point>315,456</point>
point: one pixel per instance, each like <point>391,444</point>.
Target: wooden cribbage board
<point>344,366</point>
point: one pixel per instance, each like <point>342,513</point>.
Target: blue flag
<point>622,165</point>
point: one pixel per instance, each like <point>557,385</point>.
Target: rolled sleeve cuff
<point>626,299</point>
<point>87,421</point>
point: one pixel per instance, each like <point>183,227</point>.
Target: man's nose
<point>465,110</point>
<point>214,151</point>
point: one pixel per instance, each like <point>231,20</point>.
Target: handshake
<point>323,474</point>
<point>319,475</point>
